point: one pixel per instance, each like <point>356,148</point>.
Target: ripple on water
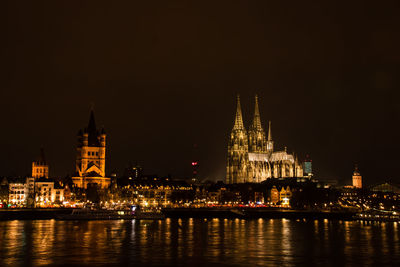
<point>196,242</point>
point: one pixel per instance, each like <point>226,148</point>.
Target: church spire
<point>92,122</point>
<point>256,120</point>
<point>238,119</point>
<point>92,130</point>
<point>42,158</point>
<point>269,131</point>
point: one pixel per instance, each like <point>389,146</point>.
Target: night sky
<point>163,77</point>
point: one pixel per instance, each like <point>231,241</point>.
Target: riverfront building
<point>48,192</point>
<point>18,192</point>
<point>36,191</point>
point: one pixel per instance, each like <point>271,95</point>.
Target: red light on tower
<point>195,165</point>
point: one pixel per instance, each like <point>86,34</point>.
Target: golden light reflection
<point>218,241</point>
<point>316,227</point>
<point>347,232</point>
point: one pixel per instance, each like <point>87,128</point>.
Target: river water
<point>199,242</point>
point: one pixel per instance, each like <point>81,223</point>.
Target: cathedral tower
<point>40,168</point>
<point>91,156</point>
<point>237,150</point>
<point>256,170</point>
<point>257,140</point>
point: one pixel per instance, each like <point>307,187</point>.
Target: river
<point>199,242</point>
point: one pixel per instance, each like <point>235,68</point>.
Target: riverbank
<point>212,212</point>
<point>253,213</point>
<point>32,214</point>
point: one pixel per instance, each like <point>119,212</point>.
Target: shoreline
<point>209,212</point>
<point>242,213</point>
<point>255,213</point>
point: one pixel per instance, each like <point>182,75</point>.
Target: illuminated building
<point>21,191</point>
<point>157,193</point>
<point>251,155</point>
<point>280,194</point>
<point>386,187</point>
<point>357,179</point>
<point>38,190</point>
<point>274,193</point>
<point>30,184</point>
<point>284,196</point>
<point>18,192</point>
<point>48,192</point>
<point>91,157</point>
<point>33,192</point>
<point>307,166</point>
<point>40,168</point>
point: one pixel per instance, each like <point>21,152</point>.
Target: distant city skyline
<point>163,79</point>
<point>346,180</point>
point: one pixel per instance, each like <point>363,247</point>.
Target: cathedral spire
<point>269,131</point>
<point>256,120</point>
<point>238,119</point>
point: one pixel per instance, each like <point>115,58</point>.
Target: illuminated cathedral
<point>251,155</point>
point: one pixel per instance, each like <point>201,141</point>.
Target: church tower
<point>257,140</point>
<point>237,150</point>
<point>91,156</point>
<point>357,178</point>
<point>40,168</point>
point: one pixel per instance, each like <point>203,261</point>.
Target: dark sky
<point>163,76</point>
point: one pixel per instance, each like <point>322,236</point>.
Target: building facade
<point>48,192</point>
<point>91,157</point>
<point>251,155</point>
<point>357,178</point>
<point>18,193</point>
<point>35,192</point>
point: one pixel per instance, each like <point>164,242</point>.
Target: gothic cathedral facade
<point>251,155</point>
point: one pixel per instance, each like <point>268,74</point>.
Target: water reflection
<point>197,242</point>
